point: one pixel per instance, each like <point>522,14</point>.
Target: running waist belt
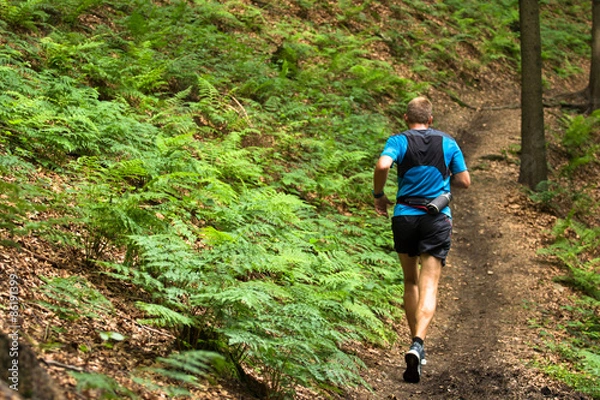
<point>432,206</point>
<point>413,201</point>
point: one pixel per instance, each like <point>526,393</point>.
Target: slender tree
<point>533,144</point>
<point>594,89</point>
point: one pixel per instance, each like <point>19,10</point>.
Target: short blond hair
<point>419,110</point>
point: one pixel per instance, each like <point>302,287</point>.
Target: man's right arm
<point>381,173</point>
<point>379,178</point>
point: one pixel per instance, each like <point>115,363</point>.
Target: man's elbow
<point>465,184</point>
<point>462,180</point>
<point>384,163</point>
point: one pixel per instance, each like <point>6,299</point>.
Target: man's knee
<point>411,280</point>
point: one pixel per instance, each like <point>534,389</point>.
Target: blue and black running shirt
<point>425,159</point>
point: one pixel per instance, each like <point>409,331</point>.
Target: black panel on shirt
<point>425,148</point>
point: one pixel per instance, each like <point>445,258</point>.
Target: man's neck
<point>418,126</point>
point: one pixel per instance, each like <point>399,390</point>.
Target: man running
<point>428,160</point>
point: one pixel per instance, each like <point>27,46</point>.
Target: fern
<point>26,14</point>
<point>165,317</point>
<point>584,376</point>
<point>578,140</point>
<point>575,246</point>
<point>574,252</point>
<point>253,313</point>
<point>18,201</point>
<point>74,297</point>
<point>101,386</point>
<point>68,120</point>
<point>286,359</point>
<point>186,368</point>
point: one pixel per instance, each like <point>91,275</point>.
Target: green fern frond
<point>26,14</point>
<point>74,297</point>
<point>214,237</point>
<point>163,316</point>
<point>254,296</point>
<point>345,280</point>
<point>103,386</point>
<point>279,209</point>
<point>188,366</point>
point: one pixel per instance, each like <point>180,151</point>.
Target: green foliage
<point>101,386</point>
<point>585,375</point>
<point>108,336</point>
<point>17,203</point>
<point>273,300</point>
<point>580,141</point>
<point>585,326</point>
<point>74,297</point>
<point>52,119</point>
<point>560,198</point>
<point>576,247</point>
<point>22,14</point>
<point>185,368</point>
<point>565,34</point>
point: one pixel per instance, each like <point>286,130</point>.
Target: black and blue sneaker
<point>414,359</point>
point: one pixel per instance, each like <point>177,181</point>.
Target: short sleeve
<point>395,147</point>
<point>455,158</point>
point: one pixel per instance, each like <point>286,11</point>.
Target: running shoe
<point>413,363</point>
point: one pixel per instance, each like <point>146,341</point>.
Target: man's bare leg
<point>410,268</point>
<point>429,278</point>
<point>420,291</point>
<point>420,301</point>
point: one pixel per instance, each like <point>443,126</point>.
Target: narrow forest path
<point>481,343</point>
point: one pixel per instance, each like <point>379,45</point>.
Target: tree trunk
<point>533,144</point>
<point>594,89</point>
<point>21,373</point>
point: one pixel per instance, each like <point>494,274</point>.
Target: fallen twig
<point>53,363</point>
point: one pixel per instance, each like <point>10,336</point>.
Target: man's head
<point>418,111</point>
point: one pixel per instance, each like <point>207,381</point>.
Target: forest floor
<point>483,343</point>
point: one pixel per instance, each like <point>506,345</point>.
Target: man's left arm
<point>461,180</point>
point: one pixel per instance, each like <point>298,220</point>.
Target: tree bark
<point>594,88</point>
<point>533,143</point>
<point>21,373</point>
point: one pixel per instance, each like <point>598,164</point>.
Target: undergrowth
<point>575,244</point>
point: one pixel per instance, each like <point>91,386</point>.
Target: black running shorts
<point>417,234</point>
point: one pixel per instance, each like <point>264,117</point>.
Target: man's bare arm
<point>382,169</point>
<point>380,176</point>
<point>461,180</point>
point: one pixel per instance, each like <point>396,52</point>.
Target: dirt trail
<point>480,343</point>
